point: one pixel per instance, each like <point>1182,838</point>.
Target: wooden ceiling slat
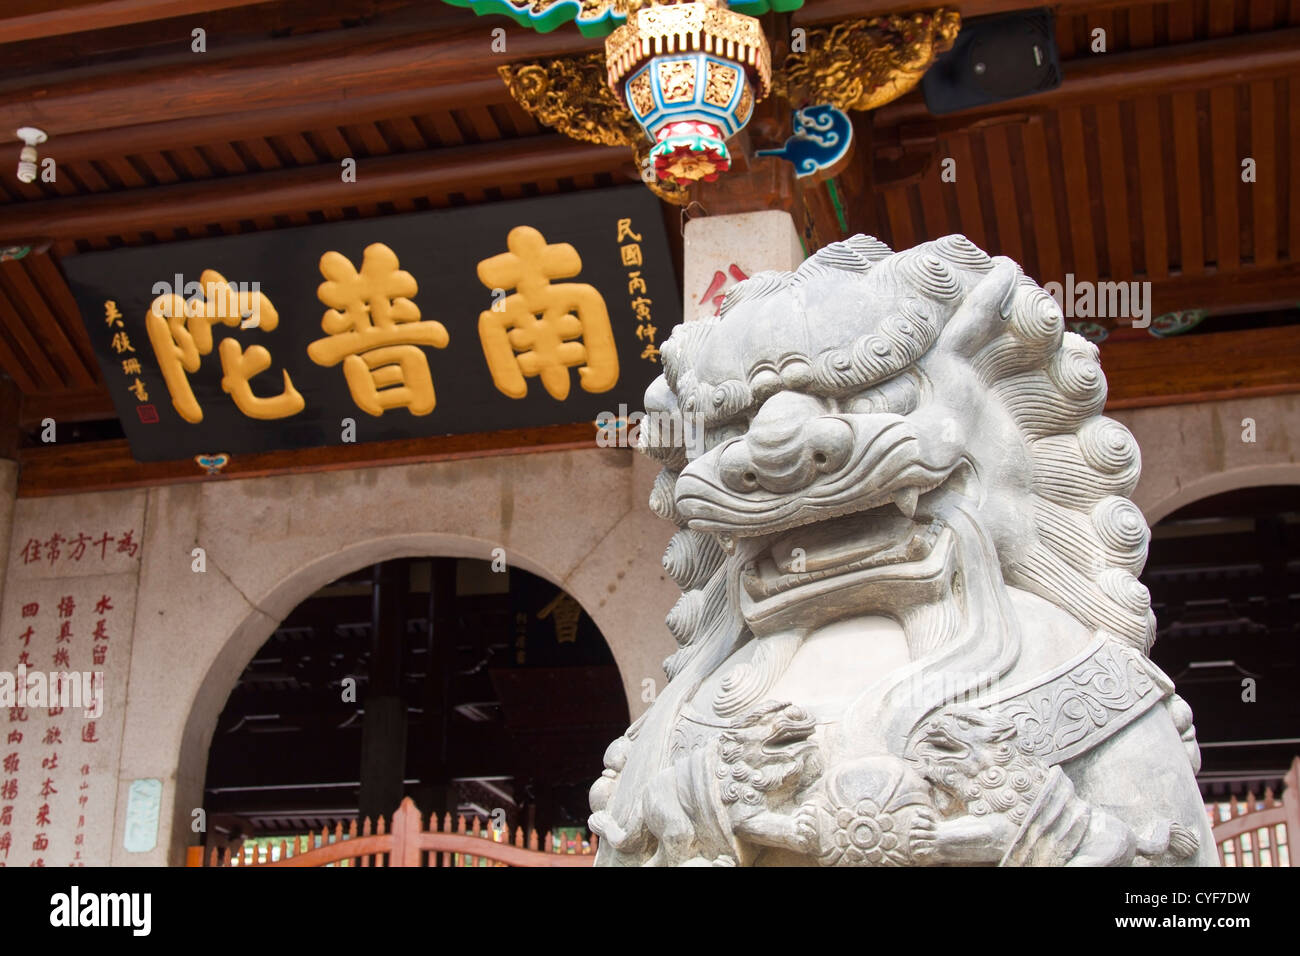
<point>1187,173</point>
<point>262,156</point>
<point>934,211</point>
<point>16,365</point>
<point>332,142</point>
<point>1074,165</point>
<point>1227,176</point>
<point>1153,166</point>
<point>1182,21</point>
<point>89,176</point>
<point>45,375</point>
<point>1065,33</point>
<point>222,158</point>
<point>402,130</point>
<point>1264,191</point>
<point>523,122</point>
<point>47,329</point>
<point>1038,169</point>
<point>1293,212</point>
<point>444,127</point>
<point>295,147</point>
<point>1222,17</point>
<point>47,275</point>
<point>1002,173</point>
<point>485,128</point>
<point>1261,15</point>
<point>899,211</point>
<point>971,223</point>
<point>163,172</point>
<point>367,137</point>
<point>188,158</point>
<point>1114,190</point>
<point>1141,27</point>
<point>126,174</point>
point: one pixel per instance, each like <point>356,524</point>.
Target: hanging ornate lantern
<point>690,72</point>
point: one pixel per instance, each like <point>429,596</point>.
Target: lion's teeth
<point>906,500</point>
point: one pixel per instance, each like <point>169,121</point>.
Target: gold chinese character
<point>565,613</point>
<point>631,254</point>
<point>375,330</point>
<point>635,283</point>
<point>181,332</point>
<point>122,343</point>
<point>650,352</point>
<point>111,315</point>
<point>130,366</point>
<point>625,231</point>
<point>573,328</point>
<point>137,389</point>
<point>641,306</point>
<point>646,332</point>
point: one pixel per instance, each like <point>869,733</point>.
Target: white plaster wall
<point>1193,451</point>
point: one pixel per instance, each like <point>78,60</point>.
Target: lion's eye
<point>899,395</point>
<point>713,437</point>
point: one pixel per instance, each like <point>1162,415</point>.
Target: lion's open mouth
<point>842,560</point>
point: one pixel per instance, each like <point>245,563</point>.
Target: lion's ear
<point>980,316</point>
<point>1004,732</point>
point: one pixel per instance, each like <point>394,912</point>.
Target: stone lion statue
<point>902,514</point>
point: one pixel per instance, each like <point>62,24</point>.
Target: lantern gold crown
<point>668,26</point>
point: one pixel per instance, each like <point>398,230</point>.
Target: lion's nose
<point>789,444</point>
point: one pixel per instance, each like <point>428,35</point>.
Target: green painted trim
<point>839,206</point>
<point>566,10</point>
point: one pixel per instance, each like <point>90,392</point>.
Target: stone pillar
<point>721,250</point>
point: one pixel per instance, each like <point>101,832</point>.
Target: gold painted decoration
<point>640,93</point>
<point>692,26</point>
<point>864,64</point>
<point>544,329</point>
<point>570,94</point>
<point>677,80</point>
<point>721,84</point>
<point>373,327</point>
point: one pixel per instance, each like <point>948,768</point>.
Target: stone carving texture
<point>910,631</point>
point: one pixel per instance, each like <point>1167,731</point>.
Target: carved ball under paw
<point>875,811</point>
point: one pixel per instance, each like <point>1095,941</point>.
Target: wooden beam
<point>331,66</point>
<point>69,405</point>
<point>825,11</point>
<point>1116,76</point>
<point>78,18</point>
<point>1201,368</point>
<point>99,466</point>
<point>379,179</point>
<point>97,144</point>
<point>1246,288</point>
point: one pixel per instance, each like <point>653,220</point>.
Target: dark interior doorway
<point>1224,576</point>
<point>473,691</point>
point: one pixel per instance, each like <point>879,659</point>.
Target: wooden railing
<point>1260,832</point>
<point>406,843</point>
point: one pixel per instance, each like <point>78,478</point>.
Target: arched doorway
<point>468,685</point>
<point>1224,576</point>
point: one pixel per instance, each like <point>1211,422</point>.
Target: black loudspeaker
<point>995,58</point>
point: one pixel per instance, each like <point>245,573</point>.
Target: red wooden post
<point>1291,807</point>
<point>406,835</point>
